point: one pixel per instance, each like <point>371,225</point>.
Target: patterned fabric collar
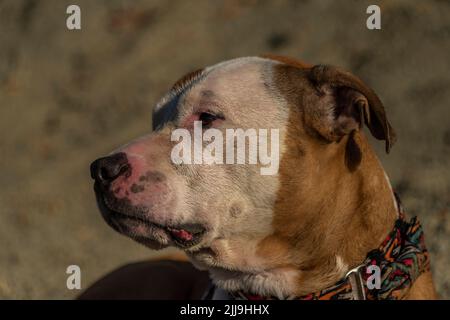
<point>402,258</point>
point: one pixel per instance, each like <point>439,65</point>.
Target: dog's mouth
<point>183,236</point>
<point>149,233</point>
<point>186,235</point>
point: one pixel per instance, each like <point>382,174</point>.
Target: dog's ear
<point>348,103</point>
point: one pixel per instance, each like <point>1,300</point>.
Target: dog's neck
<point>325,224</point>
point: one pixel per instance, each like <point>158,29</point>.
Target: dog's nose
<point>107,169</point>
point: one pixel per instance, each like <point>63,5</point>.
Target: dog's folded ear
<point>347,103</point>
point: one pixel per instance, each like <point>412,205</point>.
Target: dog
<point>311,230</point>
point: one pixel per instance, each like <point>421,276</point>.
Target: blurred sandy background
<point>67,97</point>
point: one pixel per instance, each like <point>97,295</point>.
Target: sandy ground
<point>67,97</point>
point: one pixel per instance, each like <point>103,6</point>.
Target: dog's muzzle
<point>131,220</point>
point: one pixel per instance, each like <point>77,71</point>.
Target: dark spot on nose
<point>107,169</point>
<point>153,177</point>
<point>136,188</point>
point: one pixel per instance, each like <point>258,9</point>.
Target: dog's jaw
<point>279,282</point>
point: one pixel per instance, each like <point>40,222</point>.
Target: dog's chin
<point>132,222</point>
<point>143,232</point>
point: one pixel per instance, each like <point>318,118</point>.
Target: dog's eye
<point>207,119</point>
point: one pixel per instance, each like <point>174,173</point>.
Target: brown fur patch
<point>181,83</point>
<point>423,288</point>
<point>322,208</point>
<point>287,60</point>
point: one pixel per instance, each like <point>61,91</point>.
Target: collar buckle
<point>357,283</point>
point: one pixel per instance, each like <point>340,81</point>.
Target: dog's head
<point>229,215</point>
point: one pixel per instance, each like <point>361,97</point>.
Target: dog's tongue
<point>182,234</point>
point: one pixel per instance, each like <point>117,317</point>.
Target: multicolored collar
<point>401,258</point>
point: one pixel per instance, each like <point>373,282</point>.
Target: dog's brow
<point>207,94</point>
<point>209,103</point>
<point>168,109</point>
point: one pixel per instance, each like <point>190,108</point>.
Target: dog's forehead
<point>241,78</point>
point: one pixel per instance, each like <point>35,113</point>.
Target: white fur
<point>278,283</point>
